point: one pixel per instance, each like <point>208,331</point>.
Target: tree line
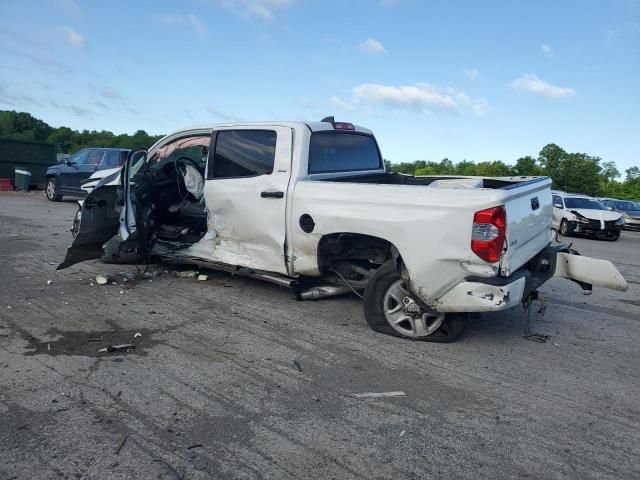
<point>24,126</point>
<point>571,172</point>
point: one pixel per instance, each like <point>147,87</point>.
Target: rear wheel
<point>390,308</point>
<point>52,190</point>
<point>565,229</point>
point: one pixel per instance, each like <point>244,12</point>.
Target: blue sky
<point>459,79</point>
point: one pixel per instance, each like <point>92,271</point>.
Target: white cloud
<point>481,106</point>
<point>72,37</point>
<point>546,49</point>
<point>419,97</point>
<point>471,73</point>
<point>340,104</point>
<point>372,47</point>
<point>178,20</point>
<point>262,9</point>
<point>534,84</point>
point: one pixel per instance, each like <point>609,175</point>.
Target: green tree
<point>527,166</point>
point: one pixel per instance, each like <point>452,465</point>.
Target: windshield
<point>629,206</point>
<point>343,152</point>
<point>583,203</point>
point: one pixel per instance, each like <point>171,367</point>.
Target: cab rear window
<point>343,152</point>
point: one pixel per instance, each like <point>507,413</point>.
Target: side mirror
<point>610,209</point>
<point>557,205</point>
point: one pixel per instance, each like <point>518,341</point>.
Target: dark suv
<point>66,177</point>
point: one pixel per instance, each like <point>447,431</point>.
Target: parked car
<point>65,178</point>
<point>630,212</point>
<point>575,214</point>
<point>309,206</point>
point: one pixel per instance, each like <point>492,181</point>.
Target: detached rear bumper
<point>478,294</point>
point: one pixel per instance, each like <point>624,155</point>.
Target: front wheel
<point>390,308</point>
<point>52,191</point>
<point>565,230</point>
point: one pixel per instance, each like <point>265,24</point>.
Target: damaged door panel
<point>246,196</point>
<point>99,221</point>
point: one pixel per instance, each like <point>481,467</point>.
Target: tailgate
<point>529,212</point>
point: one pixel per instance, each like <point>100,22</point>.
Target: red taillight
<point>488,233</point>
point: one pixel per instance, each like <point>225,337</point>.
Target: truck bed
<point>393,178</point>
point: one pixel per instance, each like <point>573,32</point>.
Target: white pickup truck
<point>311,207</point>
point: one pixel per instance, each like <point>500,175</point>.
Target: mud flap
<point>589,271</point>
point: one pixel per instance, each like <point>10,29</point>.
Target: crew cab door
<point>245,192</point>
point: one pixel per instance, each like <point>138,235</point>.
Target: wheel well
<point>354,254</point>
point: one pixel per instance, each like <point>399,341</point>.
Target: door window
<point>557,201</point>
<point>243,153</point>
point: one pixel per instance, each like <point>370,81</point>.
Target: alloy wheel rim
<point>405,315</point>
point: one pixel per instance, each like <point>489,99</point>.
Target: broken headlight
<point>619,222</point>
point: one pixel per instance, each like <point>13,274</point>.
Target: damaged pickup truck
<point>310,206</point>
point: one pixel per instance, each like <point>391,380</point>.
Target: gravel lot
<point>232,378</point>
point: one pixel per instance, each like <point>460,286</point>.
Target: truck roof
<point>313,126</point>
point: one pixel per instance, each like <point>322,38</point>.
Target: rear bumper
<point>479,294</point>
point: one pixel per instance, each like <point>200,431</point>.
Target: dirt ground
<point>232,378</point>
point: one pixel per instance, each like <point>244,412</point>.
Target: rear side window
<point>342,152</point>
<point>244,153</point>
<point>557,201</point>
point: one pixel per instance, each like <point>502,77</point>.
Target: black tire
<point>51,191</point>
<point>614,238</point>
<point>374,294</point>
<point>565,228</point>
<point>76,222</point>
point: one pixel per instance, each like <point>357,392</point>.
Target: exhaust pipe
<point>321,292</point>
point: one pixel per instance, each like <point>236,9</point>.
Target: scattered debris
<point>403,433</point>
<point>295,362</point>
<point>202,278</point>
<point>49,346</point>
<point>379,394</point>
<point>195,445</point>
<point>137,335</point>
<point>118,348</point>
<point>49,282</point>
<point>123,440</point>
<point>102,279</point>
<point>185,274</point>
<point>315,399</point>
<point>151,274</point>
<point>96,339</point>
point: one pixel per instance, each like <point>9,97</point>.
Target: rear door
<point>245,193</point>
<point>529,215</point>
